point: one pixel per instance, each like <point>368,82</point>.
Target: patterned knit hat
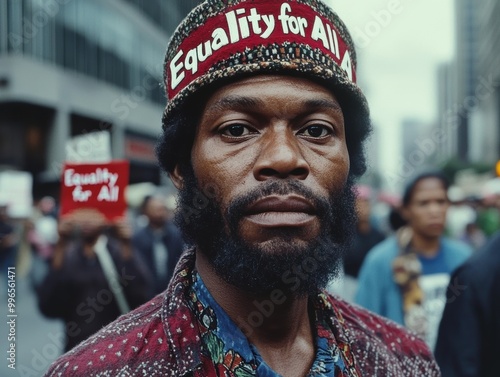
<point>223,40</point>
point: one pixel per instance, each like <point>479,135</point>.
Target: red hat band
<point>246,26</point>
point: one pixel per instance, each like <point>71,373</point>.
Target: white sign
<point>89,148</point>
<point>15,192</point>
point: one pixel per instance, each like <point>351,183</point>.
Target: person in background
<point>365,238</point>
<point>159,243</point>
<point>94,276</point>
<point>488,214</point>
<point>404,278</point>
<point>468,341</point>
<point>46,226</point>
<point>42,236</point>
<point>460,213</point>
<point>473,236</point>
<point>395,219</point>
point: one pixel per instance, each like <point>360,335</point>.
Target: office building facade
<point>476,104</point>
<point>70,67</point>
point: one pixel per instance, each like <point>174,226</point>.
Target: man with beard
<point>263,136</point>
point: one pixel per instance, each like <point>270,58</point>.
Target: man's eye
<point>236,130</point>
<point>316,131</point>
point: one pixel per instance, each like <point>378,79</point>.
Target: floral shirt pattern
<point>173,335</point>
<point>226,344</point>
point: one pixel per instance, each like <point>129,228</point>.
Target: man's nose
<point>280,157</point>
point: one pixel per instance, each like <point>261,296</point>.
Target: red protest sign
<point>99,185</point>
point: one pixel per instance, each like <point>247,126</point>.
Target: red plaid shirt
<point>163,338</point>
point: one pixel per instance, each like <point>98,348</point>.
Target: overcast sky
<point>400,44</point>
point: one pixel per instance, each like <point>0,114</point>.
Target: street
<point>39,340</point>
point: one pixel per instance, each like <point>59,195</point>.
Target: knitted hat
<point>223,40</point>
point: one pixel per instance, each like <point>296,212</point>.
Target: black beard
<point>296,268</point>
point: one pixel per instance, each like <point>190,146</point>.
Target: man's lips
<point>281,211</point>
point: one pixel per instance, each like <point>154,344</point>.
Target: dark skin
<point>267,128</point>
<point>426,215</point>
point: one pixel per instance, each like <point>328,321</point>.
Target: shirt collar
<point>229,333</point>
<point>178,319</point>
<point>184,334</point>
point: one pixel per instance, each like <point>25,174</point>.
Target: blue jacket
<point>377,290</point>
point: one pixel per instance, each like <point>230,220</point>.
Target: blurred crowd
<point>87,270</point>
<point>406,255</point>
<point>429,260</point>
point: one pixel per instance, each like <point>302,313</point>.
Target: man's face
<point>275,149</point>
<point>426,212</point>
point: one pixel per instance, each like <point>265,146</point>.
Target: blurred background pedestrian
<point>8,243</point>
<point>404,278</point>
<point>42,237</point>
<point>95,275</point>
<point>365,238</point>
<point>468,343</point>
<point>159,242</point>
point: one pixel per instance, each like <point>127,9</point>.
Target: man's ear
<point>176,177</point>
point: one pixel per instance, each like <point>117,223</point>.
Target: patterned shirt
<point>174,334</point>
<point>224,340</point>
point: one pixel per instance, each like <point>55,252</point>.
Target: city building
<point>448,117</point>
<point>70,67</point>
<point>467,39</point>
<point>472,110</point>
<point>484,129</point>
